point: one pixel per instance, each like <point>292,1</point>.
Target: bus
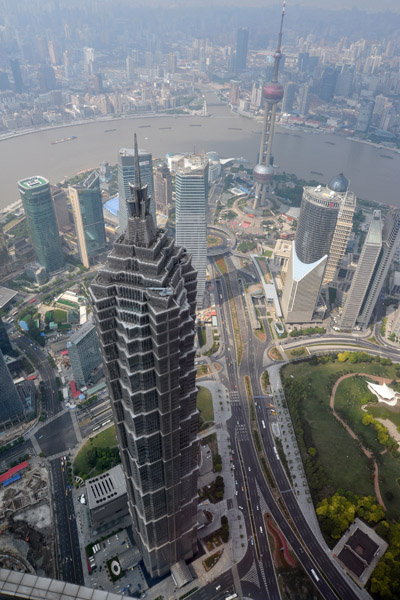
<point>231,597</point>
<point>32,301</point>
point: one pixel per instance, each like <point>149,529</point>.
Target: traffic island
<point>274,354</point>
<point>114,568</point>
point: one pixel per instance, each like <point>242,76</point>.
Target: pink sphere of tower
<point>273,92</point>
<point>263,173</point>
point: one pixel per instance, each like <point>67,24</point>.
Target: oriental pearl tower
<point>273,93</point>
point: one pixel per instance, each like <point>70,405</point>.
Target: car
<point>233,467</point>
<point>240,507</point>
<point>218,588</point>
<point>261,529</point>
<point>236,482</point>
<point>236,493</point>
<point>257,507</point>
<point>249,468</point>
<point>251,541</point>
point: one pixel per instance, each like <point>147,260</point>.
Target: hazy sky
<point>367,5</point>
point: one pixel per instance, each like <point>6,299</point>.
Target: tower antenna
<point>138,182</point>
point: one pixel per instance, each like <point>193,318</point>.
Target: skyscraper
<point>10,402</point>
<point>60,207</point>
<point>327,83</point>
<point>390,241</point>
<point>304,100</point>
<point>242,41</point>
<point>126,175</point>
<point>4,256</point>
<point>39,210</point>
<point>87,209</point>
<point>319,212</point>
<point>288,98</point>
<point>272,93</point>
<point>191,195</point>
<point>163,189</point>
<point>344,225</point>
<point>84,353</point>
<point>363,274</point>
<point>144,302</point>
<point>16,72</point>
<point>364,116</point>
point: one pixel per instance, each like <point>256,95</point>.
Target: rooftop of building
<point>6,295</point>
<point>374,235</point>
<point>81,333</point>
<point>301,269</point>
<point>32,182</point>
<point>131,152</point>
<point>105,487</point>
<point>324,194</point>
<point>191,163</point>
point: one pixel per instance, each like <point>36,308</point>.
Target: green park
<point>342,452</point>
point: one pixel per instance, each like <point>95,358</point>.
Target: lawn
<point>205,405</point>
<point>201,336</point>
<point>105,439</point>
<point>346,466</point>
<point>60,316</point>
<point>383,412</point>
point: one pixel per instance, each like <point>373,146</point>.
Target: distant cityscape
<point>199,356</point>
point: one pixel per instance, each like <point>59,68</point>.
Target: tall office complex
<point>343,228</point>
<point>242,41</point>
<point>16,72</point>
<point>126,175</point>
<point>363,274</point>
<point>4,255</point>
<point>191,194</point>
<point>144,302</point>
<point>304,100</point>
<point>320,207</point>
<point>84,353</point>
<point>364,116</point>
<point>390,241</point>
<point>272,93</point>
<point>60,207</point>
<point>162,189</point>
<point>288,97</point>
<point>39,210</point>
<point>87,208</point>
<point>10,402</point>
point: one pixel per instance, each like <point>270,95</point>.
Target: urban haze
<point>199,300</point>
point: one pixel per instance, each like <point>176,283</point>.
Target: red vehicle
<point>33,300</point>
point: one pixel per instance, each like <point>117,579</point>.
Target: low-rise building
<point>106,495</point>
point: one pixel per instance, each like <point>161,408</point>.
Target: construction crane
<point>164,291</point>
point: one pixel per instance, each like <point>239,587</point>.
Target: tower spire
<point>138,182</point>
<point>273,93</point>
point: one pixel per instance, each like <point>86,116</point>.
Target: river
<point>372,177</point>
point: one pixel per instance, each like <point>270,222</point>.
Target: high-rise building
<point>163,189</point>
<point>364,116</point>
<point>84,353</point>
<point>39,210</point>
<point>316,227</point>
<point>344,226</point>
<point>304,100</point>
<point>344,81</point>
<point>144,302</point>
<point>5,344</point>
<point>171,62</point>
<point>318,216</point>
<point>4,255</point>
<point>272,93</point>
<point>191,195</point>
<point>327,83</point>
<point>301,289</point>
<point>87,208</point>
<point>130,68</point>
<point>288,97</point>
<point>363,274</point>
<point>10,402</point>
<point>390,241</point>
<point>242,42</point>
<point>126,175</point>
<point>234,91</point>
<point>16,72</point>
<point>60,207</point>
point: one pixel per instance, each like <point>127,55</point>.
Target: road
<point>306,547</point>
<point>70,566</point>
<point>46,372</point>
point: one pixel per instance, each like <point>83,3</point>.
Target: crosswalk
<point>242,434</point>
<point>234,398</point>
<point>252,575</point>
